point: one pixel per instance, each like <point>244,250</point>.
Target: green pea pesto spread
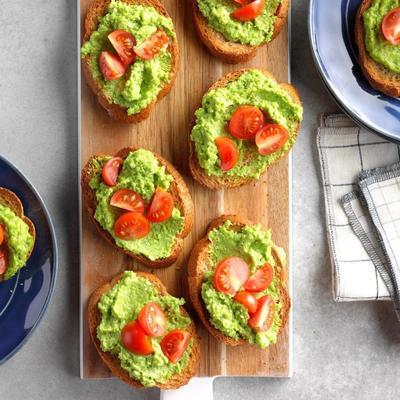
<point>378,48</point>
<point>253,245</point>
<point>18,240</point>
<point>121,305</point>
<point>255,32</point>
<point>142,173</point>
<point>143,79</point>
<point>218,105</point>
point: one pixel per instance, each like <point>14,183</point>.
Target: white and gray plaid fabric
<point>362,210</point>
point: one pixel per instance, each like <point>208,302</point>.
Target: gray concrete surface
<point>341,351</point>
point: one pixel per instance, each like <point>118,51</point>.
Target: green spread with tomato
<point>18,240</point>
<point>254,246</point>
<point>142,173</point>
<point>121,305</point>
<point>254,32</point>
<point>144,79</point>
<point>377,46</point>
<point>218,105</point>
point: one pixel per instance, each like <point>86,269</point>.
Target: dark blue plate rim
<point>55,260</point>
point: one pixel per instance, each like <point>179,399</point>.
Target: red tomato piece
<point>123,43</point>
<point>230,274</point>
<point>271,138</point>
<point>250,11</point>
<point>152,46</point>
<point>174,344</point>
<point>391,26</point>
<point>228,152</point>
<point>242,2</point>
<point>248,300</point>
<point>262,320</point>
<point>131,225</point>
<point>128,200</point>
<point>152,319</point>
<point>111,170</point>
<point>135,340</point>
<point>260,280</point>
<point>2,234</point>
<point>161,206</point>
<point>3,261</point>
<point>111,66</point>
<point>246,121</point>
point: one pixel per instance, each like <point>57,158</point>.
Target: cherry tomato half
<point>131,225</point>
<point>135,340</point>
<point>3,261</point>
<point>123,43</point>
<point>230,274</point>
<point>391,26</point>
<point>242,2</point>
<point>228,152</point>
<point>271,138</point>
<point>111,170</point>
<point>128,200</point>
<point>111,66</point>
<point>262,320</point>
<point>152,46</point>
<point>152,319</point>
<point>174,344</point>
<point>248,300</point>
<point>260,280</point>
<point>246,121</point>
<point>2,234</point>
<point>249,11</point>
<point>161,206</point>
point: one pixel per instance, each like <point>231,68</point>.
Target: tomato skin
<point>111,66</point>
<point>152,319</point>
<point>123,43</point>
<point>135,340</point>
<point>230,274</point>
<point>245,122</point>
<point>128,200</point>
<point>248,300</point>
<point>260,280</point>
<point>249,11</point>
<point>152,46</point>
<point>228,152</point>
<point>242,2</point>
<point>2,234</point>
<point>271,138</point>
<point>111,170</point>
<point>174,344</point>
<point>262,319</point>
<point>391,26</point>
<point>161,206</point>
<point>131,225</point>
<point>3,261</point>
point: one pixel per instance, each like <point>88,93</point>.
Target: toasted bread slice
<point>178,190</point>
<point>379,77</point>
<point>215,182</point>
<point>112,362</point>
<point>199,264</point>
<point>232,52</point>
<point>99,8</point>
<point>12,201</point>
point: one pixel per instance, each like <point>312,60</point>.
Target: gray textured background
<point>341,351</point>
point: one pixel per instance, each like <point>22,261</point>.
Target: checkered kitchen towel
<point>362,210</point>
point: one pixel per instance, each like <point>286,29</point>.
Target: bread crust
<point>112,362</point>
<point>378,76</point>
<point>11,200</point>
<point>227,51</point>
<point>216,182</point>
<point>179,192</point>
<point>198,265</point>
<point>99,8</point>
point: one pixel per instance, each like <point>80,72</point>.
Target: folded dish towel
<point>361,181</point>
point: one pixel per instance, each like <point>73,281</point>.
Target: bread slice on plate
<point>112,362</point>
<point>226,181</point>
<point>228,51</point>
<point>199,264</point>
<point>379,77</point>
<point>177,189</point>
<point>97,9</point>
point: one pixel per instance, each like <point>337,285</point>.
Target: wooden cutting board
<point>167,132</point>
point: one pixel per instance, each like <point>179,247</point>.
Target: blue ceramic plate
<point>24,298</point>
<point>331,29</point>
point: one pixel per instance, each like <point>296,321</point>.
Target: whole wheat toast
<point>215,182</point>
<point>94,318</point>
<point>199,265</point>
<point>97,9</point>
<point>178,190</point>
<point>379,77</point>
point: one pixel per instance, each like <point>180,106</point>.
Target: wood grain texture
<point>166,132</point>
